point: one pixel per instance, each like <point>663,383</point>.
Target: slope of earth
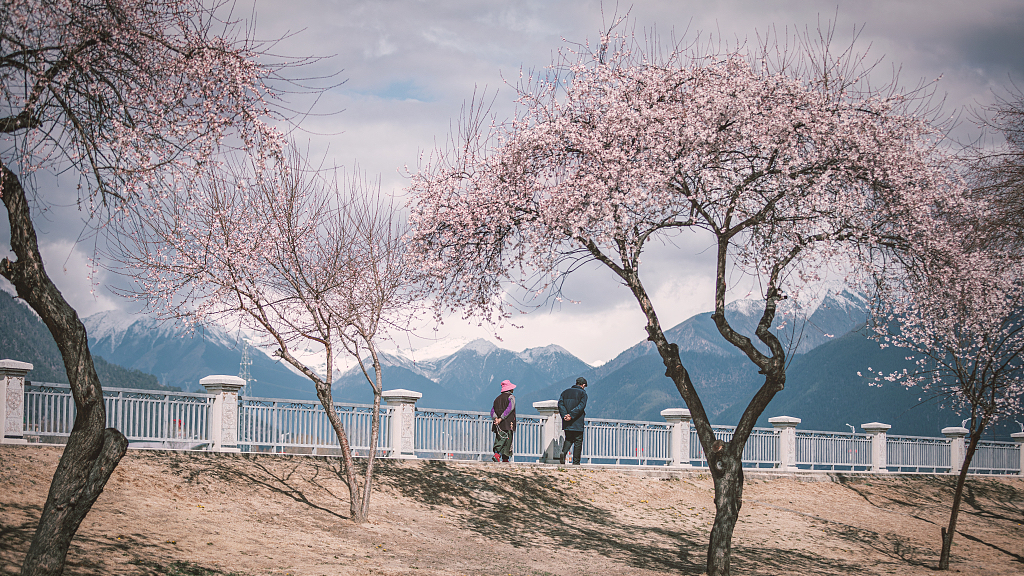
<point>214,514</point>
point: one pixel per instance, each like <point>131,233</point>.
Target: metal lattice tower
<point>243,368</point>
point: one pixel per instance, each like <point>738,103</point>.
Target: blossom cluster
<point>790,168</point>
<point>957,308</point>
<point>132,97</point>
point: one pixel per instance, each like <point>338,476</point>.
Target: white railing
<point>833,450</point>
<point>466,435</point>
<point>625,441</point>
<point>178,418</point>
<point>528,436</point>
<point>184,420</point>
<point>917,454</point>
<point>49,410</point>
<point>274,425</point>
<point>996,458</point>
<point>761,449</point>
<point>454,434</point>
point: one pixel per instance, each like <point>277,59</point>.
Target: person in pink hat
<point>503,413</point>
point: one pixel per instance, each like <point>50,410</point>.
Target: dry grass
<point>201,514</point>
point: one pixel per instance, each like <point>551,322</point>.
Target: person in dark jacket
<point>503,413</point>
<point>571,407</point>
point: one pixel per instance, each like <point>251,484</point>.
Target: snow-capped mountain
<point>450,373</point>
<point>469,378</point>
<point>822,387</point>
<point>633,384</point>
<point>433,351</point>
<point>180,359</point>
<point>465,375</point>
<point>801,324</point>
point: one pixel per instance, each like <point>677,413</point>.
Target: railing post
<point>956,447</point>
<point>679,437</point>
<point>402,427</point>
<point>224,412</point>
<point>12,404</point>
<point>550,431</point>
<point>1018,437</point>
<point>785,427</point>
<point>879,450</point>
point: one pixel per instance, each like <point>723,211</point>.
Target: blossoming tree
<point>282,250</point>
<point>118,96</point>
<point>997,173</point>
<point>961,317</point>
<point>787,161</point>
<point>956,301</point>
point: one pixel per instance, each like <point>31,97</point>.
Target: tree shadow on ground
<point>521,509</point>
<point>283,480</point>
<point>983,498</point>
<point>90,554</point>
<point>17,525</point>
<point>181,568</point>
<point>993,500</point>
<point>894,546</point>
<point>772,561</point>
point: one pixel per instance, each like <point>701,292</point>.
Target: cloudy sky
<point>409,66</point>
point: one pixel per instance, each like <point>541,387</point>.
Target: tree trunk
<point>724,458</point>
<point>372,456</point>
<point>355,508</point>
<point>948,531</point>
<point>727,471</point>
<point>92,452</point>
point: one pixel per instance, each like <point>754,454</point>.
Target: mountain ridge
<point>182,359</point>
<point>467,379</point>
<point>25,338</point>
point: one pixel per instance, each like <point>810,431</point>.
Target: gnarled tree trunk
<point>725,459</point>
<point>92,451</point>
<point>727,471</point>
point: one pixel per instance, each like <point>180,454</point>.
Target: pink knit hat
<point>507,385</point>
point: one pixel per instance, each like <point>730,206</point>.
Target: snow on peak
<point>804,302</point>
<point>109,324</point>
<point>531,355</point>
<point>115,324</point>
<point>833,292</point>
<point>480,346</point>
<point>439,349</point>
<point>745,307</point>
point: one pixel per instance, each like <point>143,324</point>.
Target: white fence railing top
<point>33,384</point>
<point>406,429</point>
<point>383,407</point>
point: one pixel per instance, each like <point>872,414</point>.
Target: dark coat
<point>574,403</point>
<point>505,402</point>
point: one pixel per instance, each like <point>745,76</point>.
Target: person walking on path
<point>571,407</point>
<point>503,413</point>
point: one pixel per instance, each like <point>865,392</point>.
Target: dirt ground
<point>181,513</point>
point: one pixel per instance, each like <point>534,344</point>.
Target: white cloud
<point>410,65</point>
<point>82,285</point>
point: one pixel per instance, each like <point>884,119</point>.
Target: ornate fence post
<point>1018,437</point>
<point>402,426</point>
<point>550,431</point>
<point>224,412</point>
<point>879,450</point>
<point>785,427</point>
<point>956,447</point>
<point>679,437</point>
<point>12,403</point>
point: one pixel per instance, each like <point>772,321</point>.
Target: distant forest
<point>25,338</point>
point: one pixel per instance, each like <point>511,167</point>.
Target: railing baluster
<point>182,420</point>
